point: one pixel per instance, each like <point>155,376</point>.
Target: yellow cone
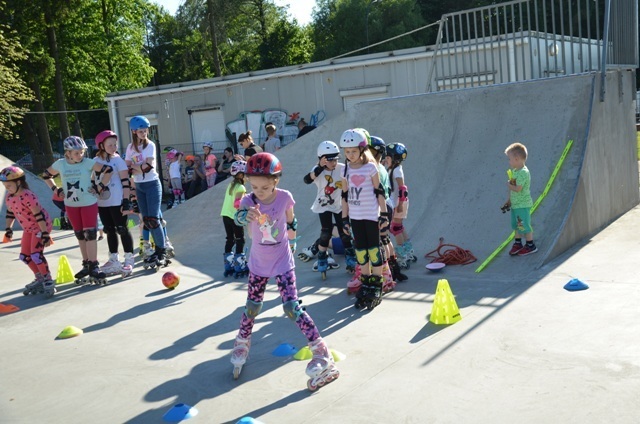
<point>445,309</point>
<point>56,223</point>
<point>65,273</point>
<point>69,331</point>
<point>303,354</point>
<point>337,356</point>
<point>131,223</point>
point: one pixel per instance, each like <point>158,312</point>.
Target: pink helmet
<point>102,136</point>
<point>171,154</point>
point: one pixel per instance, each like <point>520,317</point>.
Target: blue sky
<point>299,9</point>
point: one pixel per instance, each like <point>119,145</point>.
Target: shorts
<point>521,220</point>
<point>403,214</point>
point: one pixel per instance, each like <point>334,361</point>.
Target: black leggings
<point>235,235</point>
<point>116,223</point>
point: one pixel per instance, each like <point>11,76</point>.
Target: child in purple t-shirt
<point>268,211</point>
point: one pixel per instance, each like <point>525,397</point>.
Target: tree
<point>16,92</point>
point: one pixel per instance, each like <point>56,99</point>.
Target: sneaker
<point>515,249</point>
<point>527,250</point>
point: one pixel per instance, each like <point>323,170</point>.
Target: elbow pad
<point>46,175</point>
<point>307,179</point>
<point>106,169</point>
<point>403,193</point>
<point>293,225</point>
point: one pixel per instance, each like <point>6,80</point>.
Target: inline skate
<point>157,260</point>
<point>96,276</point>
<point>354,284</point>
<point>240,354</point>
<point>112,266</point>
<point>401,258</point>
<point>409,254</point>
<point>146,249</point>
<point>321,368</point>
<point>170,251</point>
<point>240,267</point>
<point>324,263</point>
<point>370,293</point>
<point>228,264</point>
<point>350,259</point>
<point>389,283</point>
<point>49,286</point>
<point>308,253</point>
<point>127,266</point>
<point>34,287</point>
<point>81,276</point>
<point>396,272</point>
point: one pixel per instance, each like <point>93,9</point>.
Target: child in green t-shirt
<point>520,200</point>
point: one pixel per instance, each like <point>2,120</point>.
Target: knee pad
<point>121,230</point>
<point>38,258</point>
<point>79,235</point>
<point>109,229</point>
<point>385,240</point>
<point>396,228</point>
<point>25,258</point>
<point>91,234</point>
<point>177,192</point>
<point>151,222</point>
<point>252,309</point>
<point>375,255</point>
<point>325,237</point>
<point>362,256</point>
<point>293,309</point>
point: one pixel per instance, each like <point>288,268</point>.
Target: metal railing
<point>533,39</point>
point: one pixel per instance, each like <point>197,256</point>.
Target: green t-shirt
<point>227,205</point>
<point>384,180</point>
<point>523,198</point>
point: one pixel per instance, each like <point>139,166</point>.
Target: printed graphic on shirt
<point>355,181</point>
<point>268,229</point>
<point>329,189</point>
<point>74,191</point>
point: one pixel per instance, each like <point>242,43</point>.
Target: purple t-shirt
<point>270,254</point>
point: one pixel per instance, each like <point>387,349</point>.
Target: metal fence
<point>532,39</point>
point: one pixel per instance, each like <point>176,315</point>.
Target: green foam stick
<point>552,178</point>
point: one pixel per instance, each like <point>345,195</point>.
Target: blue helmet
<point>139,122</point>
<point>397,151</point>
<point>378,145</point>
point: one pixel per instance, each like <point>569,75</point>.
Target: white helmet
<point>328,148</point>
<point>207,144</point>
<point>237,167</point>
<point>354,138</point>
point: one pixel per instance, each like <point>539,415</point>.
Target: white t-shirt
<point>397,173</point>
<point>329,185</point>
<point>115,185</point>
<point>174,170</point>
<point>138,158</point>
<point>272,145</point>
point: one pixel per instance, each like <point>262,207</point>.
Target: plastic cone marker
<point>303,354</point>
<point>69,331</point>
<point>285,349</point>
<point>56,222</point>
<point>180,412</point>
<point>575,285</point>
<point>65,273</point>
<point>445,309</point>
<point>6,308</point>
<point>248,420</point>
<point>337,356</point>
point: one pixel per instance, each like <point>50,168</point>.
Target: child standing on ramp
<point>234,264</point>
<point>520,200</point>
<point>23,205</point>
<point>269,213</point>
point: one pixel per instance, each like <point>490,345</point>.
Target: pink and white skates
<point>240,354</point>
<point>321,369</point>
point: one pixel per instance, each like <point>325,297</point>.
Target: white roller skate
<point>401,259</point>
<point>240,354</point>
<point>409,254</point>
<point>321,369</point>
<point>147,250</point>
<point>354,284</point>
<point>49,287</point>
<point>170,251</point>
<point>241,268</point>
<point>34,287</point>
<point>112,266</point>
<point>127,266</point>
<point>308,253</point>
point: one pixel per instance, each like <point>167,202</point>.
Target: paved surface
<point>526,350</point>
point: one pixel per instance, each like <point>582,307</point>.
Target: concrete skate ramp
<point>37,185</point>
<point>456,168</point>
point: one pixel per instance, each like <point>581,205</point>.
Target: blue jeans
<point>149,196</point>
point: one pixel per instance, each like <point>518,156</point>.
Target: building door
<point>208,125</point>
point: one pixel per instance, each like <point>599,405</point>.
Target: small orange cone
<point>6,308</point>
<point>445,309</point>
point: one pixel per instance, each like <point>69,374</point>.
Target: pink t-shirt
<point>270,254</point>
<point>21,206</point>
<point>363,202</point>
<point>209,161</point>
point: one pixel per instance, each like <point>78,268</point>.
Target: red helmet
<point>102,136</point>
<point>263,164</point>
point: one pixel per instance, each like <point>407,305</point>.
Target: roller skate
<point>34,287</point>
<point>112,266</point>
<point>308,253</point>
<point>157,260</point>
<point>49,287</point>
<point>96,276</point>
<point>146,250</point>
<point>401,258</point>
<point>396,272</point>
<point>350,259</point>
<point>169,248</point>
<point>81,276</point>
<point>240,267</point>
<point>64,224</point>
<point>354,284</point>
<point>370,293</point>
<point>389,283</point>
<point>324,263</point>
<point>409,254</point>
<point>321,369</point>
<point>239,354</point>
<point>228,264</point>
<point>127,266</point>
